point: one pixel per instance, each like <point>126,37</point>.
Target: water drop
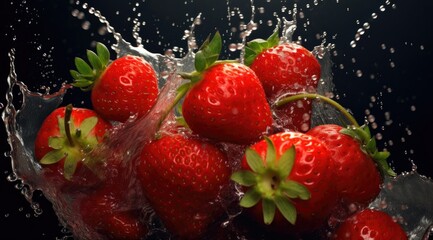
<point>359,73</point>
<point>233,47</point>
<point>7,154</point>
<point>19,185</point>
<point>86,25</point>
<point>366,25</point>
<point>379,136</point>
<point>12,177</point>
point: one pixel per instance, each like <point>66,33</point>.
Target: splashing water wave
<point>400,196</point>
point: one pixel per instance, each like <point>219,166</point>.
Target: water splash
<point>409,199</point>
<point>399,197</point>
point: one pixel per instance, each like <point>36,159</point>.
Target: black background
<point>406,32</point>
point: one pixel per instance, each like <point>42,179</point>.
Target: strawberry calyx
<point>72,144</point>
<point>268,181</point>
<point>257,46</point>
<point>205,57</point>
<point>368,146</point>
<point>357,132</point>
<point>86,75</point>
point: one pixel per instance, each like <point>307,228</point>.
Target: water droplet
<point>359,73</point>
<point>305,127</point>
<point>86,25</point>
<point>413,108</point>
<point>366,25</point>
<point>12,177</point>
<point>383,204</point>
<point>379,136</point>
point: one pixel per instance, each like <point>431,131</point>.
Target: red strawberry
<point>182,178</point>
<point>370,224</point>
<point>224,101</point>
<point>291,172</point>
<point>355,156</point>
<point>113,210</point>
<point>103,211</point>
<point>228,104</point>
<point>64,139</point>
<point>285,69</point>
<point>127,86</point>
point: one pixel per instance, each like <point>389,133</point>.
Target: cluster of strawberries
<point>243,132</point>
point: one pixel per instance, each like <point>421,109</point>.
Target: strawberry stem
<point>303,96</point>
<point>181,92</point>
<point>67,119</point>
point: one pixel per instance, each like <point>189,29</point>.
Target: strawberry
<point>182,178</point>
<point>291,172</point>
<point>224,101</point>
<point>102,211</point>
<point>64,139</point>
<point>125,87</point>
<point>356,161</point>
<point>370,224</point>
<point>285,69</point>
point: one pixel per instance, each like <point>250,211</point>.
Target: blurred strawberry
<point>105,212</point>
<point>370,224</point>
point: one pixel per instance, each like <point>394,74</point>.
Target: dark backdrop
<point>393,55</point>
